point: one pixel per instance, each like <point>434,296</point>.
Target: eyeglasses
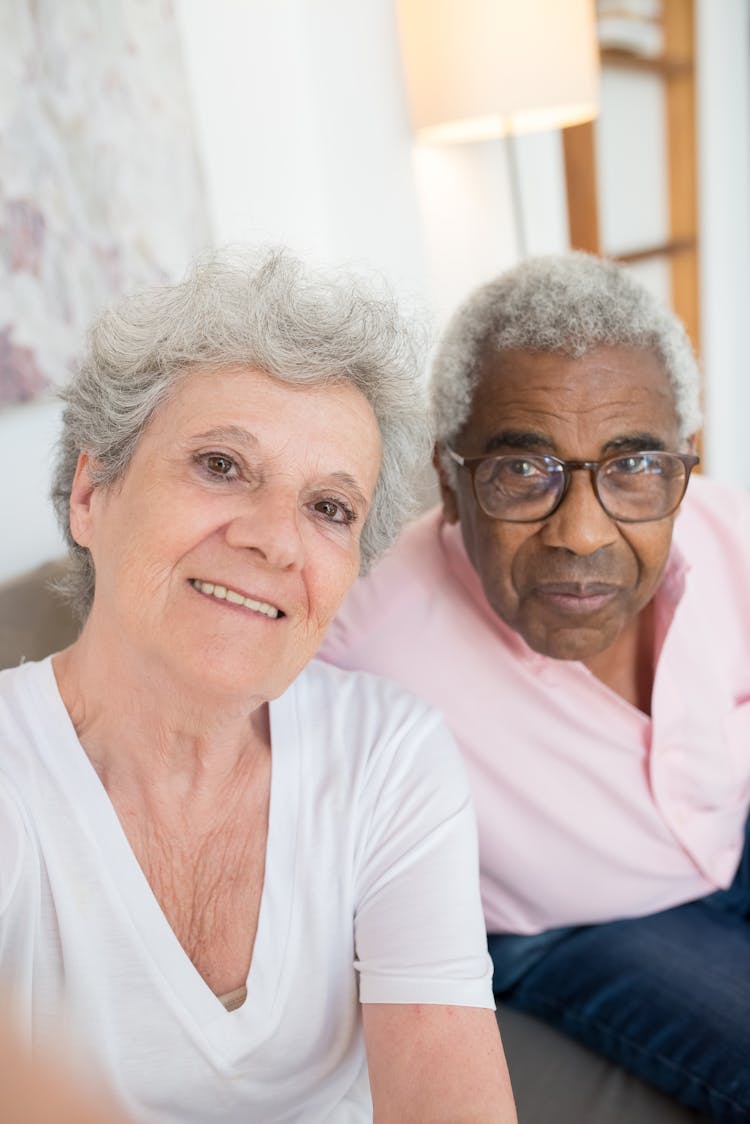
<point>632,487</point>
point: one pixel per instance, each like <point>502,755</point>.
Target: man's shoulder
<point>714,517</point>
<point>416,549</point>
<point>389,599</point>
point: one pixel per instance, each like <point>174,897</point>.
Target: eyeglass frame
<point>689,460</point>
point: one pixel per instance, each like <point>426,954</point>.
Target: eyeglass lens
<point>636,487</point>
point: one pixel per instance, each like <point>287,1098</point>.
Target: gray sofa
<point>555,1080</point>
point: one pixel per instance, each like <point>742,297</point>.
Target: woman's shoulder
<point>365,697</point>
<point>27,718</point>
<point>29,675</point>
<point>26,694</point>
<point>375,725</point>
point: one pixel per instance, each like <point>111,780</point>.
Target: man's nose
<point>580,524</point>
<point>269,524</point>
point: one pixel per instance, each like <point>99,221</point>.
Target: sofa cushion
<point>557,1081</point>
<point>34,620</point>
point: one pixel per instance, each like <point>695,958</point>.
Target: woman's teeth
<point>221,593</point>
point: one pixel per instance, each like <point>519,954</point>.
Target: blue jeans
<point>666,996</point>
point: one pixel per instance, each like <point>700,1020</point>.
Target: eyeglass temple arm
<point>454,456</point>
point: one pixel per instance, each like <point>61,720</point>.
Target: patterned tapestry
<point>100,185</point>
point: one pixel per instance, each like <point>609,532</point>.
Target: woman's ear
<point>447,490</point>
<point>81,495</point>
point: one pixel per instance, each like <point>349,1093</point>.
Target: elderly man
<point>584,624</point>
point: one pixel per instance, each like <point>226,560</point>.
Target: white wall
<point>28,533</point>
<point>304,128</point>
<point>305,139</point>
<point>723,31</point>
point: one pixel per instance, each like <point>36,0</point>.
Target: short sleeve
<point>419,929</point>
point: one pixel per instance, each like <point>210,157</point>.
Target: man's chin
<point>583,642</point>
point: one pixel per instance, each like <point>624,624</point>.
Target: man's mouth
<point>234,597</point>
<point>577,597</point>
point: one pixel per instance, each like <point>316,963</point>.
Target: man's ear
<point>447,491</point>
<point>81,495</point>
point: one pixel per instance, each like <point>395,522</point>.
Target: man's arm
<point>436,1064</point>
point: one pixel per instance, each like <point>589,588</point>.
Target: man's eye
<point>521,468</point>
<point>637,464</point>
<point>334,511</point>
<point>524,468</point>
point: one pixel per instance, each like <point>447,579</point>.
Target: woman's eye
<point>218,464</point>
<point>334,511</point>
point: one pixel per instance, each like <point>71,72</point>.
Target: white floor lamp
<point>478,69</point>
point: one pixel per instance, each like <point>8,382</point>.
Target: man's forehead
<point>599,369</point>
<point>494,361</point>
<point>540,391</point>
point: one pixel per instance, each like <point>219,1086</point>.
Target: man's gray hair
<point>570,303</point>
<point>258,309</point>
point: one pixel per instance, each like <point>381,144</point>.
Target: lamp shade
<point>481,68</point>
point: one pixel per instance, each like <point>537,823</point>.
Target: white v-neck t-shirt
<point>370,895</point>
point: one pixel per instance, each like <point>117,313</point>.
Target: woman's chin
<point>223,671</point>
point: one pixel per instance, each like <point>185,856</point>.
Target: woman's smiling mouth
<point>222,593</point>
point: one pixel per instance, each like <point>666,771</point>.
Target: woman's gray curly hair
<point>569,303</point>
<point>260,309</point>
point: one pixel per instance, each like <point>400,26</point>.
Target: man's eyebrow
<point>529,440</point>
<point>518,439</point>
<point>633,442</point>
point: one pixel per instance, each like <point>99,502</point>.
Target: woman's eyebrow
<point>350,485</point>
<point>236,435</point>
<point>233,434</point>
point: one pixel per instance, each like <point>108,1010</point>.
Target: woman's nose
<point>269,525</point>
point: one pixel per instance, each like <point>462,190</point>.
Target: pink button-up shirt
<point>588,809</point>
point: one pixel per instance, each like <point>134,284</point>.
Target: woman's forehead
<point>256,413</point>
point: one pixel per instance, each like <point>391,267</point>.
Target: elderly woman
<point>213,850</point>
